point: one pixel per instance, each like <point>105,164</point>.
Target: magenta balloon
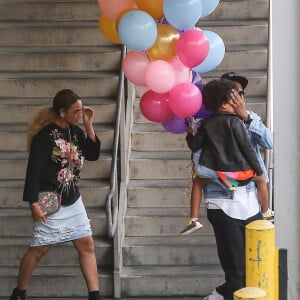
<point>134,66</point>
<point>192,47</point>
<point>185,99</point>
<point>176,125</point>
<point>160,76</point>
<point>155,106</point>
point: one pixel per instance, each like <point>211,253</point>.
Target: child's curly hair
<point>217,92</point>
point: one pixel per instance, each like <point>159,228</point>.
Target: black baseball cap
<point>236,77</point>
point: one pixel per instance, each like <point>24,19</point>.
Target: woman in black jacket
<point>58,147</point>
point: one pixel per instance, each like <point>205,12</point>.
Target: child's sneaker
<point>268,215</point>
<point>191,227</point>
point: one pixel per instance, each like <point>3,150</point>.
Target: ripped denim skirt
<point>69,223</point>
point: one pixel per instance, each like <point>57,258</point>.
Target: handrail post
<point>250,293</point>
<point>262,258</point>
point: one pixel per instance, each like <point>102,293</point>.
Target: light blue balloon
<point>182,14</point>
<point>208,6</point>
<point>215,54</point>
<point>137,30</point>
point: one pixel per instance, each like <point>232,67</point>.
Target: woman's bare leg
<point>87,261</point>
<point>28,264</point>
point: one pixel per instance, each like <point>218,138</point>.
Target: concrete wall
<point>286,83</point>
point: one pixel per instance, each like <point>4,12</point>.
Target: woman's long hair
<point>47,114</point>
<point>43,117</point>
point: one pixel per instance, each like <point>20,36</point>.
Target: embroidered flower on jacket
<point>70,159</point>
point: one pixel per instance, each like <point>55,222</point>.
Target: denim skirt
<point>69,223</point>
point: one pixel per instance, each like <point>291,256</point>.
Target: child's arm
<point>195,142</point>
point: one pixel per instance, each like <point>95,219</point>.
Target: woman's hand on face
<point>88,115</point>
<point>238,104</point>
<point>37,213</point>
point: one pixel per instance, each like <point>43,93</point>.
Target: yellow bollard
<point>261,266</point>
<point>250,293</point>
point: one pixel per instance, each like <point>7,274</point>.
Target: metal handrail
<point>112,197</point>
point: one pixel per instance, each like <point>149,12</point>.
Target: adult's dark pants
<point>230,239</point>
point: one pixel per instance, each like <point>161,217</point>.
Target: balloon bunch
<point>167,53</point>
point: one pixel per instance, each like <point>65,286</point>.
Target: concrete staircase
<point>157,262</point>
<point>46,46</point>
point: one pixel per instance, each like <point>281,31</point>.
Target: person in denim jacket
<point>230,211</point>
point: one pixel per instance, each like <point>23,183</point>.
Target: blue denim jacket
<point>261,138</point>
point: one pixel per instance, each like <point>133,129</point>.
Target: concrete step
<point>240,58</point>
<point>161,222</point>
<point>19,222</point>
<point>93,192</point>
<point>12,250</point>
<point>257,81</point>
<point>89,10</point>
<point>168,281</point>
<point>52,34</point>
<point>14,137</point>
<point>237,32</point>
<point>153,137</point>
<point>256,104</point>
<point>49,10</point>
<point>21,109</point>
<point>13,166</point>
<point>54,282</point>
<point>166,193</point>
<point>56,59</point>
<point>109,298</point>
<point>240,10</point>
<point>167,251</point>
<point>160,165</point>
<point>85,84</point>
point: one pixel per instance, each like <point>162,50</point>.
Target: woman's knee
<point>84,245</point>
<point>39,252</point>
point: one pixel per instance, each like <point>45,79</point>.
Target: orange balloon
<point>165,46</point>
<point>109,29</point>
<point>152,7</point>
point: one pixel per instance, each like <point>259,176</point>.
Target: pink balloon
<point>182,72</point>
<point>155,106</point>
<point>192,47</point>
<point>185,99</point>
<point>112,8</point>
<point>160,76</point>
<point>134,66</point>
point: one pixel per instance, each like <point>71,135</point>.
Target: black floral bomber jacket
<point>55,161</point>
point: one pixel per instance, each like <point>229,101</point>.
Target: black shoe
<point>95,295</point>
<point>18,295</point>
